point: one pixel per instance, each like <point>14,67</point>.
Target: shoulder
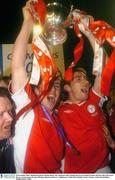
<point>66,107</point>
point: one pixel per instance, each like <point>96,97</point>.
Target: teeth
<point>51,98</point>
<point>84,90</point>
<point>7,127</point>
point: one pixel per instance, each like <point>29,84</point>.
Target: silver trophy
<point>54,32</point>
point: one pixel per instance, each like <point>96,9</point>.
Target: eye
<point>1,114</point>
<point>10,112</point>
<point>78,78</point>
<point>57,86</point>
<point>4,112</point>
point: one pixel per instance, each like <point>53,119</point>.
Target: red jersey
<point>38,148</point>
<point>83,125</point>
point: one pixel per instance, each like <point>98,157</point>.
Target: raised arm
<point>99,52</point>
<point>19,75</point>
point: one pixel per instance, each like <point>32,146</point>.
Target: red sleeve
<point>94,96</point>
<point>29,91</point>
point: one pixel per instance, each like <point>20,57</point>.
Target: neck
<point>46,109</point>
<point>72,100</point>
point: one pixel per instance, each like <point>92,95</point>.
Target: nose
<point>52,89</point>
<point>84,79</point>
<point>86,82</point>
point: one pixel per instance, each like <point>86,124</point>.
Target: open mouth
<point>51,98</point>
<point>8,127</point>
<point>85,90</point>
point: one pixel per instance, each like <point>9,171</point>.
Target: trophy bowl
<point>53,31</point>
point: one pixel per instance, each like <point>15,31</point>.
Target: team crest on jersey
<point>91,108</point>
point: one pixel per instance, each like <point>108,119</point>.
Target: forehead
<point>58,80</point>
<point>5,102</point>
<point>79,73</point>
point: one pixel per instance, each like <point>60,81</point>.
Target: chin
<point>7,135</point>
<point>85,97</point>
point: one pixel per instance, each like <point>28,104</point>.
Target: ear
<point>67,87</point>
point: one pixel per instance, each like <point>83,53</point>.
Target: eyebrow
<point>77,75</point>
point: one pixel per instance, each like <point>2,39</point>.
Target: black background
<point>11,19</point>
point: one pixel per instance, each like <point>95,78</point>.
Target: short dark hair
<point>6,79</point>
<point>5,93</point>
<point>75,69</point>
<point>80,69</point>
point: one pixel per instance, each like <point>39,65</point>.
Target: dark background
<point>11,19</point>
<point>11,15</point>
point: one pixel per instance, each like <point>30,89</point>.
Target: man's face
<point>5,117</point>
<point>53,95</point>
<point>79,87</point>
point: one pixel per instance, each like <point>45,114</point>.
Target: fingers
<point>28,12</point>
<point>31,9</point>
<point>106,131</point>
<point>110,141</point>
